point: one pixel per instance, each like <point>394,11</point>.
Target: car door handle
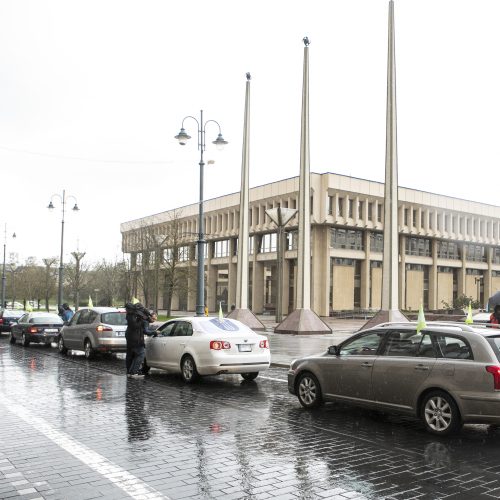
<point>422,368</point>
<point>366,364</point>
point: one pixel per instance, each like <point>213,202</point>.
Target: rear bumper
<point>481,408</point>
<point>112,344</point>
<point>223,363</point>
<point>42,338</point>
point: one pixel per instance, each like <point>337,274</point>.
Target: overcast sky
<point>93,92</point>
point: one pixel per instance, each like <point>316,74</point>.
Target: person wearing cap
<point>67,313</point>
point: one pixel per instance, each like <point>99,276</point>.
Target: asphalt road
<point>77,429</point>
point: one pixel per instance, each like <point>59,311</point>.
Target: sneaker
<point>137,375</point>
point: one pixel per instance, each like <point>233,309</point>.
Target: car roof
<point>102,309</point>
<point>454,326</point>
<point>42,313</point>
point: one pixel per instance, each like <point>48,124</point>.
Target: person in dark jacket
<point>136,315</point>
<point>495,316</point>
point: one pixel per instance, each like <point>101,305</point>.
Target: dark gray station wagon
<point>446,375</point>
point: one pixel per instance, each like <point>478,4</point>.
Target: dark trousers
<point>134,359</point>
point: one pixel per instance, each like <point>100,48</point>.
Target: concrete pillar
<point>461,273</point>
<point>257,287</point>
<point>232,274</point>
<point>320,261</point>
<point>402,272</point>
<point>487,276</point>
<point>285,297</point>
<point>365,273</point>
<point>433,277</point>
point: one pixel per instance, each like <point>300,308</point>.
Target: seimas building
<point>448,247</point>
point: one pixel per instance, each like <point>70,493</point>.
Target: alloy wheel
<point>187,368</point>
<point>438,414</point>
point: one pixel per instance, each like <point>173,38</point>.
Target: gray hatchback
<point>447,374</point>
<point>96,329</point>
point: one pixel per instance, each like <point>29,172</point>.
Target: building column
<point>433,277</point>
<point>319,263</point>
<point>402,271</point>
<point>211,282</point>
<point>487,276</point>
<point>365,272</point>
<point>285,296</point>
<point>232,274</point>
<point>257,279</point>
<point>461,273</point>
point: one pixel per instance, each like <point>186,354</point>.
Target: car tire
<point>88,349</point>
<point>12,339</point>
<point>25,340</point>
<point>440,413</point>
<point>250,375</point>
<point>61,347</point>
<point>309,391</point>
<point>189,373</point>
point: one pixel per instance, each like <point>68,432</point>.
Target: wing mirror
<point>333,350</point>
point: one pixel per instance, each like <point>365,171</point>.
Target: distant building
<point>448,247</point>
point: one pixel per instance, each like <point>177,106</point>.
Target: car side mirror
<point>333,350</point>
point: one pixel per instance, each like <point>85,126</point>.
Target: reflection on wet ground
<point>226,438</point>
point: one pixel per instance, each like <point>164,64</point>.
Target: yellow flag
<point>221,316</point>
<point>468,319</point>
<point>135,300</point>
<point>421,319</point>
<point>29,308</point>
<point>90,302</point>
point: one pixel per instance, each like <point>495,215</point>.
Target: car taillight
<point>495,371</point>
<point>32,329</point>
<point>264,344</point>
<point>102,328</point>
<point>1,321</point>
<point>217,345</point>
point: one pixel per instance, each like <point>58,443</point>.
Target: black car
<point>9,317</point>
<point>39,327</point>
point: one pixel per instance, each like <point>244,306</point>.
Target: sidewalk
<point>285,348</point>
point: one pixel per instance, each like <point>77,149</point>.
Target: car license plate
<point>244,348</point>
<point>51,330</point>
<point>120,334</point>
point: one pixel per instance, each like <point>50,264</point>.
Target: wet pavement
<point>77,429</point>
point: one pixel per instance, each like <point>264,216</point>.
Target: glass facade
<point>418,246</point>
<point>346,238</point>
<point>448,250</point>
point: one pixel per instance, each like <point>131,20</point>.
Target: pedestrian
<point>495,316</point>
<point>136,317</point>
<point>67,313</point>
<point>205,310</point>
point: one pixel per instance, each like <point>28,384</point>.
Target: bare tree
<point>76,276</point>
<point>111,278</point>
<point>49,278</point>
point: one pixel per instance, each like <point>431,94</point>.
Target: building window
<point>360,209</point>
<point>405,217</point>
<point>331,200</point>
<point>268,243</point>
<point>377,242</point>
<point>221,249</point>
<point>445,269</point>
<point>418,246</point>
<point>345,238</point>
<point>475,253</point>
<point>291,240</point>
<point>448,250</point>
<point>496,274</point>
<point>496,256</point>
<point>414,221</point>
<point>376,263</point>
<point>474,272</point>
<point>379,212</point>
<point>344,262</point>
<point>370,211</point>
<point>340,207</point>
<point>250,245</point>
<point>351,209</point>
<point>422,219</point>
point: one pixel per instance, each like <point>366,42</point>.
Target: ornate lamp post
<point>183,137</point>
<point>4,278</point>
<point>63,199</point>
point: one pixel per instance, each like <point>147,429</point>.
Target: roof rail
<point>455,324</point>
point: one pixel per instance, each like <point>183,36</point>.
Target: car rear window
<point>495,345</point>
<point>217,326</point>
<point>114,318</point>
<point>54,320</point>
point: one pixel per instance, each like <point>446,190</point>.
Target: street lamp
<point>280,216</point>
<point>4,278</point>
<point>63,199</point>
<point>183,137</point>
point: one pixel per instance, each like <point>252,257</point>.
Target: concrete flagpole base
<point>385,317</point>
<point>248,318</point>
<point>303,322</point>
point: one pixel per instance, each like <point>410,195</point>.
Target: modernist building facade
<point>448,247</point>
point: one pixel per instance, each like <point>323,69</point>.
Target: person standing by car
<point>495,316</point>
<point>135,339</point>
<point>67,313</point>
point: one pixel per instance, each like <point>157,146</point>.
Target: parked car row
<point>446,374</point>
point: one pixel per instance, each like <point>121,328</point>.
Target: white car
<point>198,346</point>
